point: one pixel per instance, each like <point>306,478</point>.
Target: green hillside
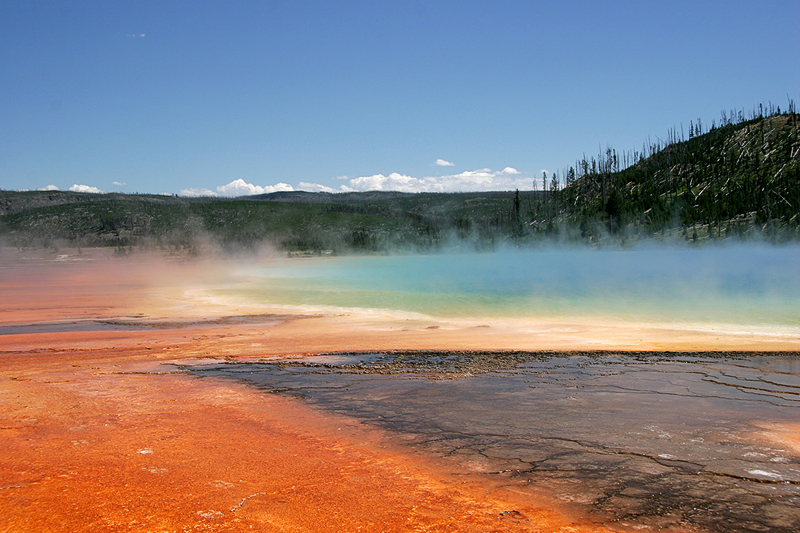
<point>739,179</point>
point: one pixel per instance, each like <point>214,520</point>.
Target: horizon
<point>358,96</point>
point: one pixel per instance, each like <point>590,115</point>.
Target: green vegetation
<point>738,179</point>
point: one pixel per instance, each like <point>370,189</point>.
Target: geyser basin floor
<point>80,397</point>
<point>663,441</point>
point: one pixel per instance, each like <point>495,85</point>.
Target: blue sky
<point>229,98</point>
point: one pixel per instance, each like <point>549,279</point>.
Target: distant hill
<point>736,180</point>
<point>290,221</point>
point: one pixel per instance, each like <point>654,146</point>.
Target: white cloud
<point>48,188</point>
<point>118,183</point>
<point>484,179</point>
<point>195,192</point>
<point>444,163</point>
<point>315,187</point>
<point>392,182</point>
<point>85,188</point>
<point>239,187</point>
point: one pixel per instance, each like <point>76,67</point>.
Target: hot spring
<point>738,285</point>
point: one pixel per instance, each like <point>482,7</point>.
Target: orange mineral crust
<point>105,447</point>
<point>98,433</point>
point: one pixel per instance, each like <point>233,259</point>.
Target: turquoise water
<point>735,284</point>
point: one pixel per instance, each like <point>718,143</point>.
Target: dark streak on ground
<point>637,438</point>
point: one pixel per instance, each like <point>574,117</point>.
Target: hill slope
<point>737,179</point>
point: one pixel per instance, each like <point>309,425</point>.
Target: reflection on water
<point>739,285</point>
<point>663,441</point>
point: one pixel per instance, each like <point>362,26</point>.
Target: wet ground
<point>670,440</point>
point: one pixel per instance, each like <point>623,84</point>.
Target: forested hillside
<point>741,178</point>
<point>738,179</point>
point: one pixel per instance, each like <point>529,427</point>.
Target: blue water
<point>734,284</point>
